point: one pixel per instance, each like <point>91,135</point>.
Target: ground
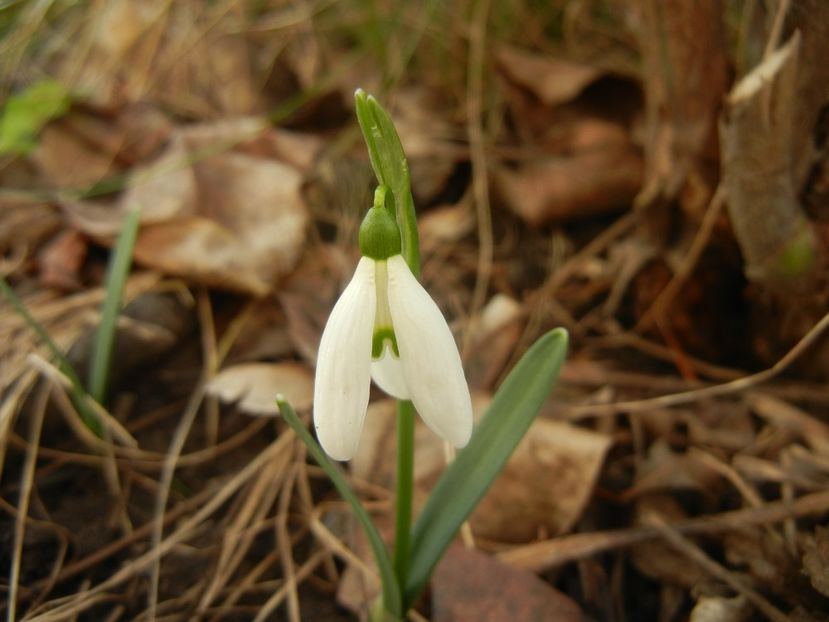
<point>649,175</point>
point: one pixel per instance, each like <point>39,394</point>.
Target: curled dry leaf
<point>254,386</point>
<point>494,334</point>
<point>443,225</point>
<point>543,489</point>
<point>148,328</point>
<point>587,182</point>
<point>816,560</point>
<point>462,591</point>
<point>60,260</point>
<point>429,139</point>
<point>66,160</point>
<point>722,609</point>
<point>545,486</point>
<point>218,217</point>
<point>665,470</point>
<point>655,558</point>
<point>552,80</point>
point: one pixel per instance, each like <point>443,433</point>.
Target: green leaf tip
<point>27,112</point>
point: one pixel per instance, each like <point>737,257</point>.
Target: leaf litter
<point>679,472</point>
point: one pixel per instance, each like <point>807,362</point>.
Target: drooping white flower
<point>385,326</point>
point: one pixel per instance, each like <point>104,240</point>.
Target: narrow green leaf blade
<point>465,481</point>
<point>391,589</point>
<point>119,267</point>
<point>77,392</point>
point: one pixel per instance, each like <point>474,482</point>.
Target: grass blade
<point>119,267</point>
<point>465,481</point>
<point>391,589</point>
<point>78,392</point>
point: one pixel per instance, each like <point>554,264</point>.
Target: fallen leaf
<point>493,335</point>
<point>471,586</point>
<point>444,224</point>
<point>254,386</point>
<point>66,160</point>
<point>229,220</point>
<point>657,559</point>
<point>666,470</point>
<point>788,417</point>
<point>816,560</point>
<point>586,183</point>
<point>429,140</point>
<point>148,327</point>
<point>543,489</point>
<point>552,80</point>
<point>545,485</point>
<point>164,189</point>
<point>722,609</point>
<point>60,261</point>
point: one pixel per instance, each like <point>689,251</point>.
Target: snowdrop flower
<point>385,326</point>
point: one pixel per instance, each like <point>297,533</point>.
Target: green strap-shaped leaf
<point>465,481</point>
<point>391,589</point>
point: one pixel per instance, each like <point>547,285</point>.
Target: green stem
<point>405,489</point>
<point>392,170</point>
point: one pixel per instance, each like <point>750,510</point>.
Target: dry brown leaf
<point>664,470</point>
<point>655,558</point>
<point>443,225</point>
<point>722,609</point>
<point>808,427</point>
<point>543,488</point>
<point>493,336</point>
<point>229,220</point>
<point>374,461</point>
<point>429,140</point>
<point>60,261</point>
<point>552,80</point>
<point>66,160</point>
<point>816,560</point>
<point>148,328</point>
<point>225,74</point>
<point>587,183</point>
<point>254,386</point>
<point>162,189</point>
<point>471,586</point>
<point>762,554</point>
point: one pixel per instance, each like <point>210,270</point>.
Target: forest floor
<point>650,176</point>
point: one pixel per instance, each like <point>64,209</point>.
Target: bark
<point>758,140</point>
<point>685,70</point>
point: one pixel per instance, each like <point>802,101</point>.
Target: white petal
<point>387,373</point>
<point>343,375</point>
<point>431,363</point>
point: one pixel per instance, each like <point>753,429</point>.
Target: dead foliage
<point>650,175</point>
